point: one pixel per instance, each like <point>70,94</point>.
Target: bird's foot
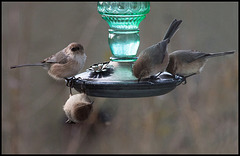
<point>70,82</point>
<point>184,79</point>
<point>155,77</point>
<point>69,122</point>
<point>158,74</point>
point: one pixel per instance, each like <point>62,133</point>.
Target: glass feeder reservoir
<point>123,19</point>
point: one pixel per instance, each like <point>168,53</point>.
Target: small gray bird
<point>154,59</point>
<point>186,63</point>
<point>65,63</point>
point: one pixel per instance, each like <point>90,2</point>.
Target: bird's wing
<point>162,48</point>
<point>192,55</point>
<point>157,51</point>
<point>59,57</point>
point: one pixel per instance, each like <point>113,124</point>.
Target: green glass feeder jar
<point>116,79</point>
<point>123,19</point>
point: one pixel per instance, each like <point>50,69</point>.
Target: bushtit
<point>154,59</point>
<point>65,63</point>
<point>77,108</point>
<point>186,63</point>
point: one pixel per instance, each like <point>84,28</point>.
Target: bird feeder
<point>114,79</point>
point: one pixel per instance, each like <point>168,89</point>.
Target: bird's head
<point>75,48</point>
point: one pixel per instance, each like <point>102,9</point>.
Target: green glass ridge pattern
<point>123,19</point>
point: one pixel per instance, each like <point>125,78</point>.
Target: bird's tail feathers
<point>220,53</point>
<point>172,29</point>
<point>26,65</point>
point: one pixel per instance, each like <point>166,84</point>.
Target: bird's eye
<point>75,49</point>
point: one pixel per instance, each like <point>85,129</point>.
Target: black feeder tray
<point>115,80</point>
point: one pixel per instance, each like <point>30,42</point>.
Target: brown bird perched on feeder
<point>65,63</point>
<point>154,59</point>
<point>186,63</point>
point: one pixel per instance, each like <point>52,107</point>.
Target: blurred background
<point>199,117</point>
